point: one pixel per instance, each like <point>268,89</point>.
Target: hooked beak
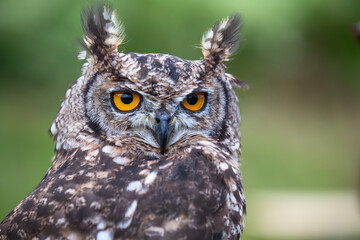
<point>163,130</point>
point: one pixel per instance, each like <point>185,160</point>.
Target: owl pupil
<point>126,98</point>
<point>192,99</point>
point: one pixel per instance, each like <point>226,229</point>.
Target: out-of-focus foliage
<point>301,58</point>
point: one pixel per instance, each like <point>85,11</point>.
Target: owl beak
<point>163,130</point>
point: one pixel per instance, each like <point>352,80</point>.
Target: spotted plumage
<point>147,146</point>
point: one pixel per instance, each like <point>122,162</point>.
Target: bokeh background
<point>300,118</point>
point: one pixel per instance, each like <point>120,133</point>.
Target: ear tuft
<point>221,42</point>
<point>103,33</point>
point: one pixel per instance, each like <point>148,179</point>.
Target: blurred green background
<point>300,119</point>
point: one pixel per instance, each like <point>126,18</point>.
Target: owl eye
<point>194,101</point>
<point>125,101</point>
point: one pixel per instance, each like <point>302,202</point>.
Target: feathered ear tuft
<point>221,42</point>
<point>103,33</point>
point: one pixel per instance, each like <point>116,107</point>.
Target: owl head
<point>153,102</point>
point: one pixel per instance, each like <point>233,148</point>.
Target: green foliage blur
<point>300,118</point>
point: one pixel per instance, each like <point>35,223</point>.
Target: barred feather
<point>103,33</point>
<point>220,42</point>
<point>236,81</point>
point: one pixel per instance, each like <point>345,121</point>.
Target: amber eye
<point>125,100</point>
<point>194,101</point>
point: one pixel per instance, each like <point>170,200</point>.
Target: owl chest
<point>166,186</point>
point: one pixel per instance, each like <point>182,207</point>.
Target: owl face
<point>158,99</point>
<point>155,101</point>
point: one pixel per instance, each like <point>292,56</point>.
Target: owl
<point>147,145</point>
